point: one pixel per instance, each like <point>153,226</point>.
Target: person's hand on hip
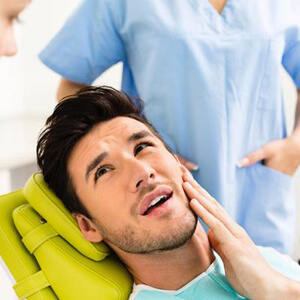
<point>280,155</point>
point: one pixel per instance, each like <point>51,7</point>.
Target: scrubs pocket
<point>269,211</point>
<point>275,176</point>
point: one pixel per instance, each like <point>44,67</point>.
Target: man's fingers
<point>215,243</point>
<point>194,190</point>
<point>194,194</point>
<point>213,208</point>
<point>202,192</point>
<point>221,233</point>
<point>189,178</point>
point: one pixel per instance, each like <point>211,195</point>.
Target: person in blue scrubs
<point>210,78</point>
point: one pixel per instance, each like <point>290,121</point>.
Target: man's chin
<point>173,236</point>
<point>164,236</point>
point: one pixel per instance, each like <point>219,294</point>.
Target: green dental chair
<point>47,254</point>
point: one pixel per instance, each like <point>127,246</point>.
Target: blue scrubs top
<point>211,85</point>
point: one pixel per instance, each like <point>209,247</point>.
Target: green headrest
<point>46,203</point>
<point>67,272</point>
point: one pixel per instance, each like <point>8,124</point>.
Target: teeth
<point>156,200</point>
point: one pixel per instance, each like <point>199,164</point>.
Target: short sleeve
<point>88,43</point>
<point>291,57</point>
<point>291,62</point>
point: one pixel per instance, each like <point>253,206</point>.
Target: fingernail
<point>195,202</point>
<point>192,166</point>
<point>188,175</point>
<point>243,162</point>
<point>187,184</point>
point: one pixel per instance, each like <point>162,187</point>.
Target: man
<point>209,72</point>
<point>9,12</point>
<point>125,187</point>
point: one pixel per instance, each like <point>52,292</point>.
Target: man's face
<point>9,12</point>
<point>119,170</point>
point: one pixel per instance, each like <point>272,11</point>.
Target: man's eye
<point>101,171</point>
<point>141,147</point>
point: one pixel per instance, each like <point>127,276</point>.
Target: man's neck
<point>171,270</point>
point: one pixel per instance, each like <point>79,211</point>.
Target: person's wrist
<point>295,146</point>
<point>288,289</point>
<point>274,288</point>
<point>281,287</point>
<point>295,139</point>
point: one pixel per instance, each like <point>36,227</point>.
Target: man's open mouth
<point>157,202</point>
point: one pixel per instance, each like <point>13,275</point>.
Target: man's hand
<point>246,269</point>
<point>280,155</point>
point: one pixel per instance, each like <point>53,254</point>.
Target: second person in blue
<point>209,73</point>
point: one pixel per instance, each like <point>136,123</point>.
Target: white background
<point>28,88</point>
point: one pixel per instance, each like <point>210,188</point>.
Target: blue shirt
<point>212,284</point>
<point>211,85</point>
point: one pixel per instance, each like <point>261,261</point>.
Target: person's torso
<point>212,87</point>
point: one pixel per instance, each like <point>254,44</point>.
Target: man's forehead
<point>120,127</point>
<point>108,133</point>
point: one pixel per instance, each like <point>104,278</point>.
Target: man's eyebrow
<point>139,135</point>
<point>98,159</point>
<point>94,163</point>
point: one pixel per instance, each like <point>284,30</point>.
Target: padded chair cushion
<point>21,264</point>
<point>70,274</point>
<point>51,260</point>
<point>45,202</point>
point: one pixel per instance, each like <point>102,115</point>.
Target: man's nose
<point>141,174</point>
<point>9,44</point>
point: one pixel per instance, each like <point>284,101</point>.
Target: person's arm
<point>291,290</point>
<point>246,270</point>
<point>281,155</point>
<point>88,44</point>
<point>67,88</point>
<point>296,132</point>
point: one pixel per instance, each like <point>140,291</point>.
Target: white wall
<point>11,97</point>
<point>27,86</point>
<point>41,21</point>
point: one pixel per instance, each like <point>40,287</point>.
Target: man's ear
<point>88,228</point>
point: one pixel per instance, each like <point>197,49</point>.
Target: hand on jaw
<point>246,269</point>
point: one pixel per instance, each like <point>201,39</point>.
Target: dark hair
<point>71,120</point>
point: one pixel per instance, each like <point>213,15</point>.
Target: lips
<point>160,194</point>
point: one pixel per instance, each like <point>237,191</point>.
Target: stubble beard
<point>133,240</point>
